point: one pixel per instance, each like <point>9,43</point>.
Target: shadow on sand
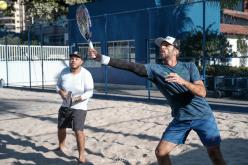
<point>37,157</point>
<point>233,150</point>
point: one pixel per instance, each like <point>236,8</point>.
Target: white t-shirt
<point>80,84</point>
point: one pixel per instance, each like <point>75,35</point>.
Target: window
<point>122,50</point>
<point>153,52</point>
<point>83,49</point>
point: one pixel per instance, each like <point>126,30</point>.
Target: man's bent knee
<point>164,148</point>
<point>160,153</point>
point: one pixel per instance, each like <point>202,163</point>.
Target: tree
<point>223,3</point>
<point>73,2</point>
<point>46,10</point>
<point>243,50</point>
<point>12,38</point>
<point>50,10</point>
<point>229,3</point>
<point>242,46</point>
<point>217,46</point>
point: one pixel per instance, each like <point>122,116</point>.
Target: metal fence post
<point>29,59</point>
<point>148,52</point>
<point>41,55</point>
<point>204,40</point>
<point>6,58</point>
<point>105,51</point>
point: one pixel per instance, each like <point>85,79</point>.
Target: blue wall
<point>111,20</point>
<point>141,20</point>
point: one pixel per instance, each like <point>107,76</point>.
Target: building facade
<point>17,21</point>
<point>234,24</point>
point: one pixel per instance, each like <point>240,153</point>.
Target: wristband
<point>105,60</point>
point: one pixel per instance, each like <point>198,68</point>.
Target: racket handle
<point>91,45</point>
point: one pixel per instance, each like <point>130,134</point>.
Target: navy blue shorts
<point>207,130</point>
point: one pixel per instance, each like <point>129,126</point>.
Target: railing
<point>25,52</point>
<point>223,78</point>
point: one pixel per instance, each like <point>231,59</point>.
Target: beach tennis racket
<point>68,100</point>
<point>84,23</point>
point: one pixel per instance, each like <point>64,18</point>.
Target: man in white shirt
<point>75,86</point>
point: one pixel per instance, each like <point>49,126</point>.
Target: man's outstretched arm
<point>136,68</point>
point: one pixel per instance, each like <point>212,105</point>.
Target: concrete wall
<point>21,72</point>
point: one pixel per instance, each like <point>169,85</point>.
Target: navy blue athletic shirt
<point>184,104</point>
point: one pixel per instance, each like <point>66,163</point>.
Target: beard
<point>164,56</point>
<point>74,67</point>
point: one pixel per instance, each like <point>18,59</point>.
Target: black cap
<point>76,54</point>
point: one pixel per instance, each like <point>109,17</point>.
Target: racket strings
<point>83,21</point>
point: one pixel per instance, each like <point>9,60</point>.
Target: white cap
<point>171,40</point>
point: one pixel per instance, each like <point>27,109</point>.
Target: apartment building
<point>234,25</point>
<point>17,21</point>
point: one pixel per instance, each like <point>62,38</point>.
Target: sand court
<point>118,131</point>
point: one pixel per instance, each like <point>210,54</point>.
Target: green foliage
<point>73,2</point>
<point>223,3</point>
<point>229,71</point>
<point>216,44</point>
<point>46,10</point>
<point>243,49</point>
<point>242,46</point>
<point>229,3</point>
<point>10,39</point>
<point>50,10</point>
<point>21,39</point>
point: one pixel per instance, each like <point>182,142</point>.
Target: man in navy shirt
<point>181,84</point>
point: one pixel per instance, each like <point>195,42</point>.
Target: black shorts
<point>71,118</point>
